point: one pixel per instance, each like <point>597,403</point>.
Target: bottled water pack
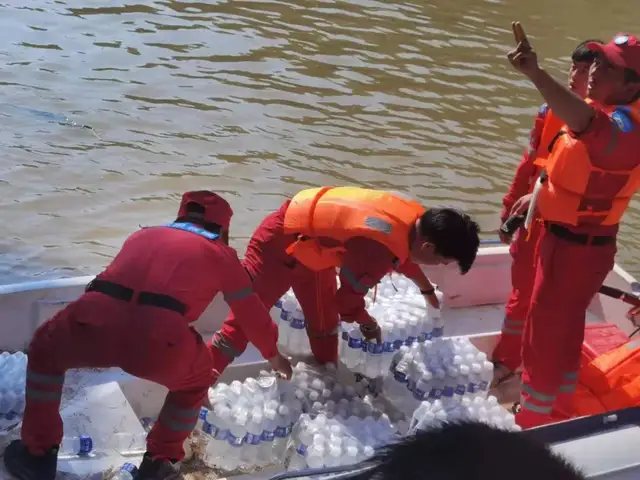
<point>292,332</point>
<point>486,410</point>
<point>13,372</point>
<point>404,318</point>
<point>322,441</point>
<point>446,369</point>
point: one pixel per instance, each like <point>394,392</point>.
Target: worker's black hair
<point>195,215</point>
<point>468,451</point>
<point>453,233</point>
<point>583,54</point>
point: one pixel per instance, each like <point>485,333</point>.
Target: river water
<point>256,100</point>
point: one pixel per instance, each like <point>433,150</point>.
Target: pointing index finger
<point>518,33</point>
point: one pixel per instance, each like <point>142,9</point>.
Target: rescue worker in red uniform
<point>592,171</point>
<point>507,353</point>
<point>135,315</point>
<point>366,234</point>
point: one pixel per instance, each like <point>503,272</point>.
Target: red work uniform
<point>523,248</point>
<point>273,270</point>
<point>576,252</point>
<point>135,315</point>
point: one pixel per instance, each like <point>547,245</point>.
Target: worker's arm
<point>415,273</point>
<point>251,314</point>
<point>565,104</point>
<point>364,264</point>
<point>526,169</point>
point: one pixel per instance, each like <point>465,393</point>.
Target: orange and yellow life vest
<point>342,213</point>
<point>577,192</point>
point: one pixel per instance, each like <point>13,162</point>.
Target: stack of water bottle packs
<point>266,421</point>
<point>13,371</point>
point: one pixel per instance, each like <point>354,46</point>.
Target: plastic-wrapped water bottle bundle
<point>13,371</point>
<point>250,423</point>
<point>322,441</point>
<point>292,333</point>
<point>447,369</point>
<point>487,410</point>
<point>404,318</point>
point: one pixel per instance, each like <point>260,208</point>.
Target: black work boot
<point>158,469</point>
<point>23,465</point>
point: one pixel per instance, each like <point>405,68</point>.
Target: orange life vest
<point>552,125</point>
<point>610,382</point>
<point>576,191</point>
<point>341,213</point>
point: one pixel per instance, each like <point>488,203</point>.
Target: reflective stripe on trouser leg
<point>176,421</point>
<point>535,406</point>
<point>42,424</point>
<point>512,327</point>
<point>563,408</point>
<point>508,349</point>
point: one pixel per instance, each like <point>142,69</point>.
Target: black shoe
<point>23,465</point>
<point>158,469</point>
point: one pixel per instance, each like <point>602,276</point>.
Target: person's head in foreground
<point>208,210</point>
<point>614,76</point>
<point>581,60</point>
<point>467,451</point>
<point>445,235</point>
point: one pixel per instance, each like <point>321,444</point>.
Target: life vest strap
<point>580,238</point>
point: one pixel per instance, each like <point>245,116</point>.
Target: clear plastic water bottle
<point>72,446</point>
<point>127,472</point>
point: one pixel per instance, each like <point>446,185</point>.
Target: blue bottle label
<point>302,450</point>
<point>297,323</point>
<point>397,344</point>
<point>418,394</point>
<point>411,340</point>
<point>365,346</point>
<point>460,390</point>
<point>435,393</point>
<point>210,429</point>
<point>129,467</point>
<point>428,335</point>
<point>235,441</point>
<point>222,435</point>
<point>387,347</point>
<point>279,303</point>
<point>447,392</point>
<point>355,342</point>
<point>86,445</point>
<point>483,385</point>
<point>400,376</point>
<point>473,387</point>
<point>253,439</point>
<point>284,315</point>
<point>345,337</point>
<point>438,332</point>
<point>281,432</point>
<point>268,436</point>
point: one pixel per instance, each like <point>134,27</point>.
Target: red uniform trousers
<point>273,272</point>
<point>568,275</point>
<point>508,351</point>
<point>98,331</point>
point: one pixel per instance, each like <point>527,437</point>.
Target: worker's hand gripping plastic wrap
<point>404,317</point>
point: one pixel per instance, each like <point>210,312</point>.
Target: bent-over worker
<point>135,315</point>
<point>592,172</point>
<point>366,234</point>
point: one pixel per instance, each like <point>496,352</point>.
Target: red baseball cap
<point>216,209</point>
<point>623,51</point>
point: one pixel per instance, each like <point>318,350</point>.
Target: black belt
<point>121,292</point>
<point>581,238</point>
